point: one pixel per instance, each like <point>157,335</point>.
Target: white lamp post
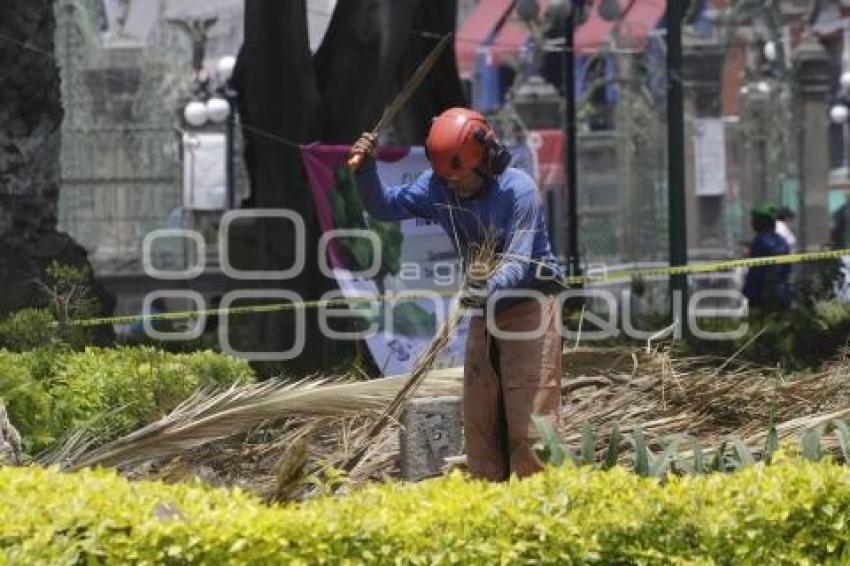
<point>839,113</point>
<point>770,51</point>
<point>225,67</point>
<point>218,109</point>
<point>212,104</point>
<point>196,113</point>
<point>221,110</point>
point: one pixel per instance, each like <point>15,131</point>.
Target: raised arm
<point>393,203</point>
<point>389,203</point>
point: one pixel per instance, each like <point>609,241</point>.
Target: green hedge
<point>790,512</point>
<point>111,390</point>
<point>799,338</point>
<point>28,328</point>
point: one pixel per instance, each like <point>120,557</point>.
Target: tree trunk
<point>370,50</point>
<point>278,105</point>
<point>30,117</point>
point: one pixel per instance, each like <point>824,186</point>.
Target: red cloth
<point>641,17</point>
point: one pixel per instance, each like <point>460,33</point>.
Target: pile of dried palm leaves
<point>707,400</point>
<point>273,438</point>
<point>269,437</point>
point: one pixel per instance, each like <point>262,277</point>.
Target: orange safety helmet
<point>457,142</point>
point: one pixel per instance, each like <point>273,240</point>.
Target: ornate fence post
<point>811,77</point>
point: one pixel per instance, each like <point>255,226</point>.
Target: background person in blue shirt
<point>766,287</point>
<point>473,194</point>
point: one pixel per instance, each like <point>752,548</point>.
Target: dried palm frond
<point>291,470</point>
<point>667,397</point>
<point>206,417</point>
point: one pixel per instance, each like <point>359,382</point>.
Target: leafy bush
<point>67,296</point>
<point>42,363</point>
<point>816,281</point>
<point>69,290</point>
<point>112,391</point>
<point>28,328</point>
<point>26,400</point>
<point>791,512</point>
<point>800,338</point>
<point>126,388</point>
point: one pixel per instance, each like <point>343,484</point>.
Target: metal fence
<point>622,201</point>
<point>117,185</point>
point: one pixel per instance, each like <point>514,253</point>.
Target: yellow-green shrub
<point>113,391</point>
<point>27,401</point>
<point>790,512</point>
<point>128,387</point>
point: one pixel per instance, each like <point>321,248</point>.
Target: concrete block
<point>431,431</point>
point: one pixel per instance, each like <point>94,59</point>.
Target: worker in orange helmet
<point>513,354</point>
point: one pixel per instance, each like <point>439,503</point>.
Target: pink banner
<point>405,260</point>
<point>324,166</point>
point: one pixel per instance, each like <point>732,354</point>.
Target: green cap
<point>765,210</point>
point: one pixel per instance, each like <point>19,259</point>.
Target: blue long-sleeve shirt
<point>508,208</point>
<point>768,285</point>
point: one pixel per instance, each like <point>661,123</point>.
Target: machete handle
<point>355,162</point>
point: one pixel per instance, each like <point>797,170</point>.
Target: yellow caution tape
<point>273,307</point>
<point>572,281</point>
<point>707,267</point>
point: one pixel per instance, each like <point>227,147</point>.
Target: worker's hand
<point>473,296</point>
<point>366,146</point>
